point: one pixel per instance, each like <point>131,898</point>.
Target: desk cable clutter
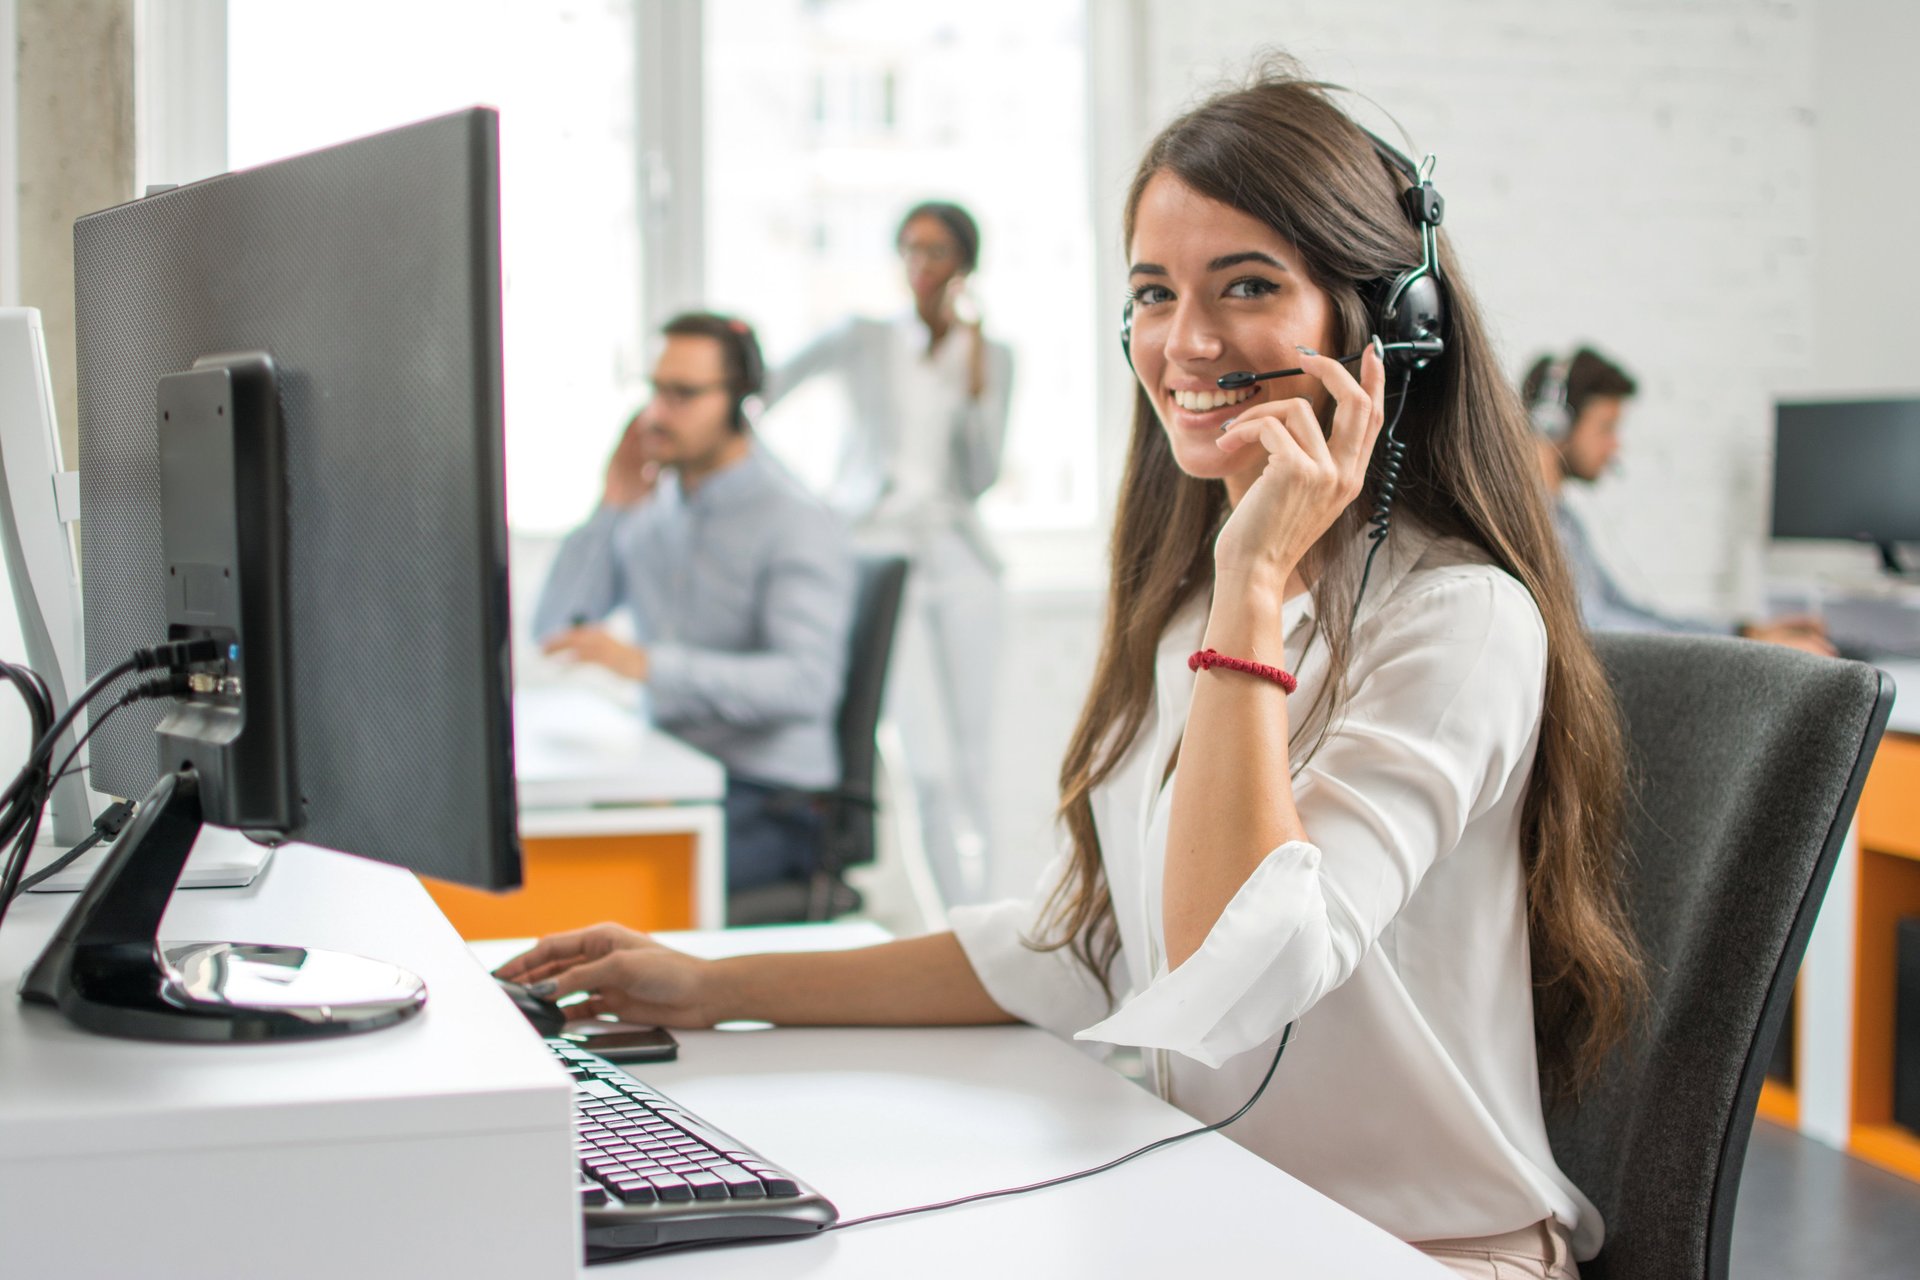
<point>24,799</point>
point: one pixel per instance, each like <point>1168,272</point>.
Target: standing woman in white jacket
<point>929,395</point>
<point>1383,836</point>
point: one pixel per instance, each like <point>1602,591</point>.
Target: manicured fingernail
<point>1306,351</point>
<point>1229,422</point>
<point>544,989</point>
<point>1379,348</point>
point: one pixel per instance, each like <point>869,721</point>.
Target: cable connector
<point>175,684</point>
<point>114,819</point>
<point>176,655</point>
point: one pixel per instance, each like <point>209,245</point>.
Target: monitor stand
<point>106,970</point>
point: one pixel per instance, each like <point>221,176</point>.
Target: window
<point>825,120</point>
<point>801,130</point>
<point>304,74</point>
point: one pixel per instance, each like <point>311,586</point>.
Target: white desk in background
<point>592,772</point>
<point>587,766</point>
<point>886,1118</point>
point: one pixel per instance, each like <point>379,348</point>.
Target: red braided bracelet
<point>1207,658</point>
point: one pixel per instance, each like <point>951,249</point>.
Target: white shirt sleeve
<point>1048,989</point>
<point>1447,697</point>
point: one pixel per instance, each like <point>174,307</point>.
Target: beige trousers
<point>1538,1252</point>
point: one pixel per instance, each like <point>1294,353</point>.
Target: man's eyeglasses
<point>684,392</point>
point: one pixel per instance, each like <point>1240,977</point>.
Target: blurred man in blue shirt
<point>1575,403</point>
<point>741,586</point>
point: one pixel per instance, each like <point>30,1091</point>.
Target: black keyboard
<point>653,1173</point>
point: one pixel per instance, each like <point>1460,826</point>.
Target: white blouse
<point>1395,942</point>
<point>930,400</point>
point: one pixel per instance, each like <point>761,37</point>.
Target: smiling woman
<point>1424,795</point>
<point>1393,824</point>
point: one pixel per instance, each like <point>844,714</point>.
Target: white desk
<point>437,1147</point>
<point>589,767</point>
<point>443,1147</point>
<point>882,1119</point>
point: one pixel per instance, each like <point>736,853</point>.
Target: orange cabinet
<point>647,881</point>
<point>1889,889</point>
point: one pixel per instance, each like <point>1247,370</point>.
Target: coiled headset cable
<point>1380,519</point>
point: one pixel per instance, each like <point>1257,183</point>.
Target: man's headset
<point>748,367</point>
<point>1411,315</point>
<point>1551,408</point>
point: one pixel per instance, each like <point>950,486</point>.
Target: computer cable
<point>1285,1035</point>
<point>176,656</point>
<point>1114,1163</point>
<point>105,828</point>
<point>116,816</point>
<point>25,798</point>
<point>17,818</point>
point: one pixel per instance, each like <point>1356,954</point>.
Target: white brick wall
<point>1867,198</point>
<point>1634,174</point>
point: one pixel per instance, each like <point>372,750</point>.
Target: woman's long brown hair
<point>1281,151</point>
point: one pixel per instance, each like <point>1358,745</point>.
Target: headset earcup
<point>1416,311</point>
<point>1550,411</point>
<point>1551,420</point>
<point>753,370</point>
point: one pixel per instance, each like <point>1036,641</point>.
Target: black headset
<point>1411,309</point>
<point>751,367</point>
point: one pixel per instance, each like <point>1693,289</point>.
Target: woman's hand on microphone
<point>1311,475</point>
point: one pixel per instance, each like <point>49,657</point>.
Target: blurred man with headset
<point>741,586</point>
<point>1576,403</point>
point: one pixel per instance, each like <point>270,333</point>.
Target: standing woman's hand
<point>963,312</point>
<point>976,362</point>
<point>1310,477</point>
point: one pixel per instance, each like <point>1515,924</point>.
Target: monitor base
<point>107,973</point>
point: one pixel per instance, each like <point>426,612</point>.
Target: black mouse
<point>546,1016</point>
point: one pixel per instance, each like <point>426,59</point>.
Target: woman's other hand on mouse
<point>625,974</point>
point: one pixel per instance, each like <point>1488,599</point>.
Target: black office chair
<point>1747,763</point>
<point>849,809</point>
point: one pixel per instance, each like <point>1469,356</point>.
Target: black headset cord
<point>1380,521</point>
<point>1285,1035</point>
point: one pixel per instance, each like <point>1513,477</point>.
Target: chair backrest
<point>1747,762</point>
<point>882,582</point>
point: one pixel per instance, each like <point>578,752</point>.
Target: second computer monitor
<point>1847,469</point>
